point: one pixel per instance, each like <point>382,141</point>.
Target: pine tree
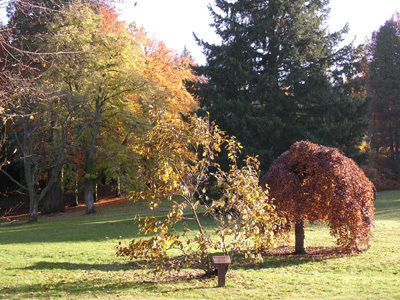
<point>278,77</point>
<point>385,87</point>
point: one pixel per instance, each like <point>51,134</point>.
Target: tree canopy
<point>313,183</point>
<point>279,76</point>
<point>179,160</point>
<point>384,83</point>
<point>82,95</point>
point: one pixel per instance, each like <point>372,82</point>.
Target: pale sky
<point>174,21</point>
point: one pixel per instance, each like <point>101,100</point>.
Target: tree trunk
<point>33,211</point>
<point>89,199</point>
<point>53,199</point>
<point>27,150</point>
<point>300,238</point>
<point>118,186</point>
<point>90,179</point>
<point>96,199</point>
<point>33,203</point>
<point>208,267</point>
<point>89,184</point>
<point>75,202</point>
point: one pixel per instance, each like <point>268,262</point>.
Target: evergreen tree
<point>278,77</point>
<point>385,87</point>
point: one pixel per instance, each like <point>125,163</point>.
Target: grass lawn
<point>73,257</point>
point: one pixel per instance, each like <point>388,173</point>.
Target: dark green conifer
<point>278,76</point>
<point>384,83</point>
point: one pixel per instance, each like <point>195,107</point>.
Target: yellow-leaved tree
<point>179,160</point>
<point>169,72</point>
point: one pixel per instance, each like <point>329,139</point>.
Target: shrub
<point>179,159</point>
<point>313,183</point>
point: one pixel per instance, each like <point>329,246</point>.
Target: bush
<point>177,160</point>
<point>313,183</point>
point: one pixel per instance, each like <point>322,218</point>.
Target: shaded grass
<point>74,258</point>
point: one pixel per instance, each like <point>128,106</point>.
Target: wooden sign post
<point>222,263</point>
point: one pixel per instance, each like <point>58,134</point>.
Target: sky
<point>174,21</point>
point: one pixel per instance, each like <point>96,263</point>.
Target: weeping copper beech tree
<point>313,183</point>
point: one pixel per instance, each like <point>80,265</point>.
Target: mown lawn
<point>73,257</point>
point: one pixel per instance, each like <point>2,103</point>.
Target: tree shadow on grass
<point>96,286</point>
<point>130,266</point>
<point>277,258</point>
<point>44,265</point>
<point>284,257</point>
<point>104,279</point>
<point>107,282</point>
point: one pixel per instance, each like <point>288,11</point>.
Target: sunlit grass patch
<point>74,258</point>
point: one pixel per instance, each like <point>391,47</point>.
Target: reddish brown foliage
<point>316,183</point>
<point>109,20</point>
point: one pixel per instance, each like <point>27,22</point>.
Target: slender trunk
<point>300,238</point>
<point>96,199</point>
<point>89,184</point>
<point>75,202</point>
<point>89,199</point>
<point>33,211</point>
<point>90,179</point>
<point>209,269</point>
<point>33,199</point>
<point>26,147</point>
<point>118,186</point>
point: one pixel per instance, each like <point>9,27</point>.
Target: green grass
<point>74,258</point>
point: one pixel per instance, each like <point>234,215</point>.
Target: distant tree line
<point>80,89</point>
<point>280,76</point>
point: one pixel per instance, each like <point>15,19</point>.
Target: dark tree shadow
<point>280,257</point>
<point>76,288</point>
<point>276,258</point>
<point>284,257</point>
<point>129,266</point>
<point>44,265</point>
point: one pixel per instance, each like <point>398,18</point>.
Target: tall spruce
<point>279,76</point>
<point>385,87</point>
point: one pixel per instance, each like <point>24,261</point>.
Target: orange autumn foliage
<point>165,69</point>
<point>109,20</point>
<point>169,72</point>
<point>315,183</point>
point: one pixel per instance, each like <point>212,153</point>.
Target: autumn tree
<point>384,83</point>
<point>178,160</point>
<point>165,73</point>
<point>29,104</point>
<point>83,81</point>
<point>33,119</point>
<point>102,72</point>
<point>103,68</point>
<point>312,183</point>
<point>279,76</point>
<point>37,132</point>
<point>168,72</point>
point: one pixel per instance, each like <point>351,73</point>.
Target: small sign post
<point>222,263</point>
